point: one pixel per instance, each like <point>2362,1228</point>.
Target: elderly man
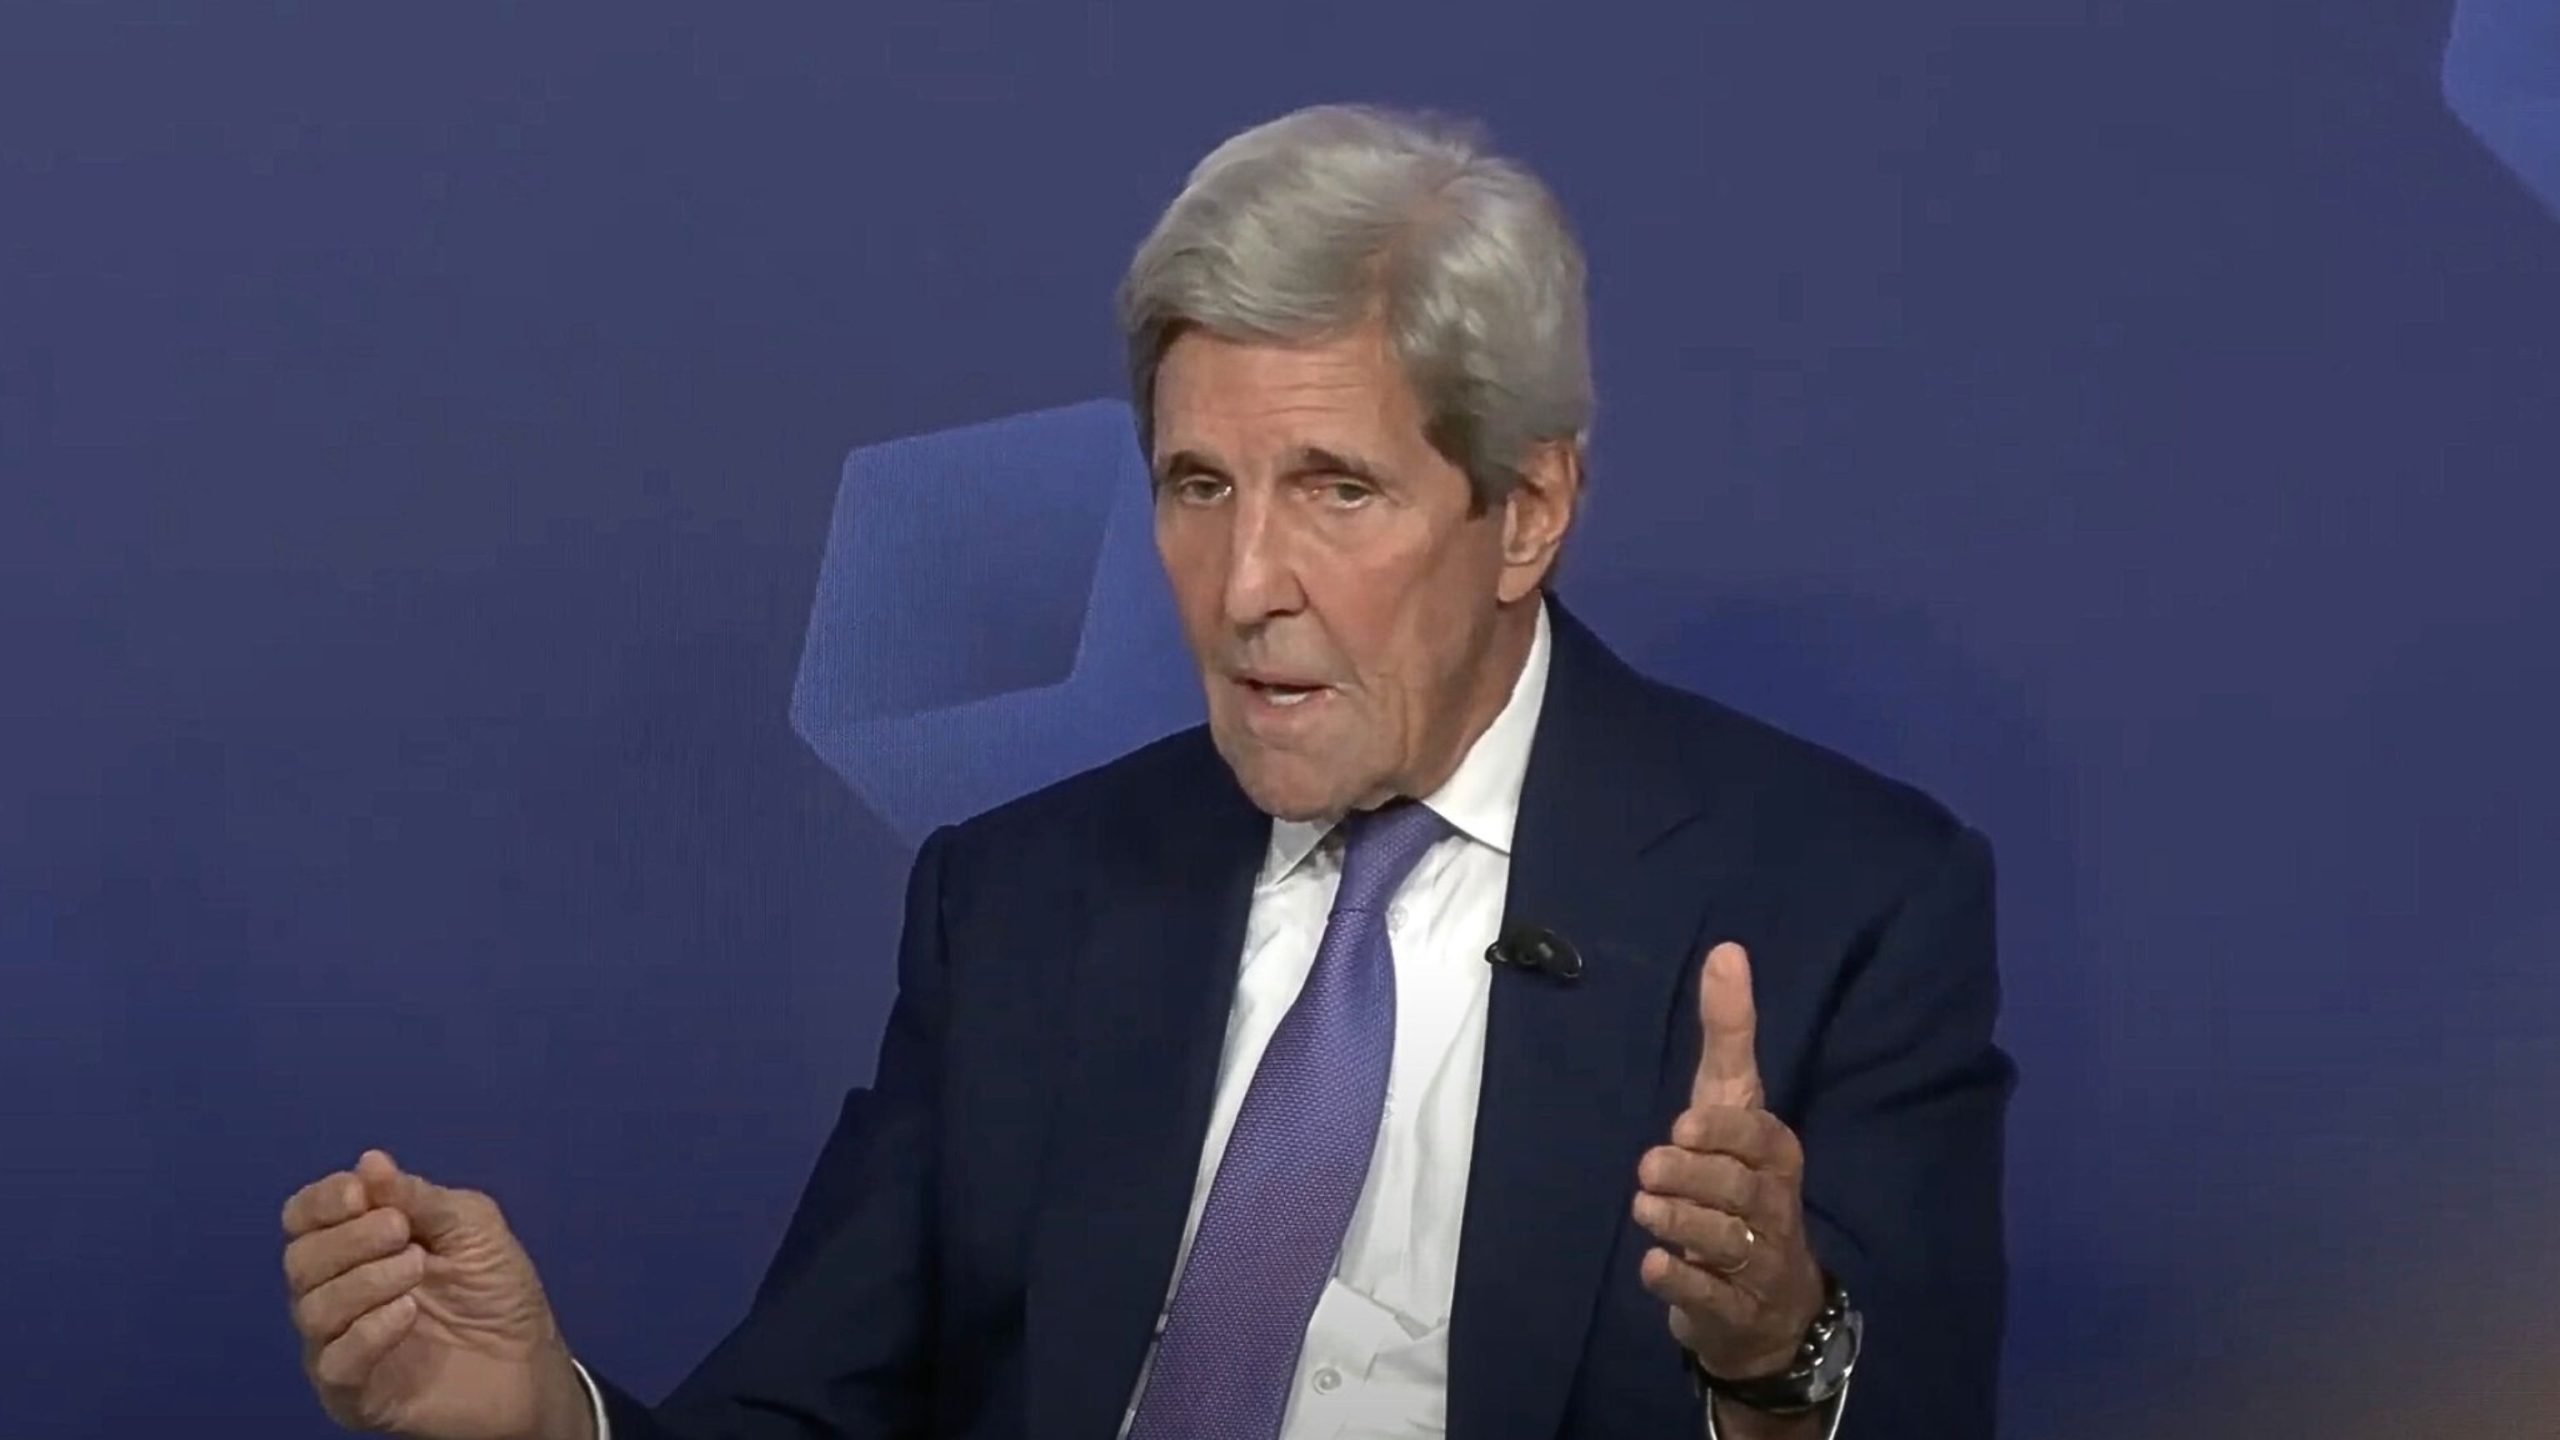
<point>1202,1112</point>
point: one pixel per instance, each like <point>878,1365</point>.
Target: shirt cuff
<point>604,1423</point>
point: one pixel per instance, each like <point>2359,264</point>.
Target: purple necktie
<point>1294,1165</point>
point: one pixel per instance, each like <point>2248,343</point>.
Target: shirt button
<point>1328,1380</point>
<point>1395,917</point>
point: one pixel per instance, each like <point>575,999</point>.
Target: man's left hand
<point>1726,1199</point>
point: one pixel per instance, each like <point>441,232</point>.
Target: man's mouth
<point>1281,693</point>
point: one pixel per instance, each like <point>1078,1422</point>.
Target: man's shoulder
<point>1148,788</point>
<point>1790,790</point>
<point>1782,796</point>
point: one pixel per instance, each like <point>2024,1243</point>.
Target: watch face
<point>1839,1354</point>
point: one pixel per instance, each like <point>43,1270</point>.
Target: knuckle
<point>301,1210</point>
<point>1665,1278</point>
<point>1705,1183</point>
<point>1681,1219</point>
<point>337,1366</point>
<point>1673,1288</point>
<point>1733,1181</point>
<point>1670,1172</point>
<point>311,1315</point>
<point>1671,1227</point>
<point>386,1277</point>
<point>1790,1151</point>
<point>297,1270</point>
<point>1714,1221</point>
<point>1719,1182</point>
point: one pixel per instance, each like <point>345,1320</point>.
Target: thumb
<point>435,1212</point>
<point>1728,1064</point>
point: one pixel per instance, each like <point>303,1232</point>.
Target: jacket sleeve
<point>1903,1134</point>
<point>837,1340</point>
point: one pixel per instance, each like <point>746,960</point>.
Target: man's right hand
<point>421,1315</point>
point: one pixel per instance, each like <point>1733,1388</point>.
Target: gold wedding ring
<point>1750,1245</point>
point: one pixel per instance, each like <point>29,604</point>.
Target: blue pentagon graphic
<point>990,616</point>
<point>2502,80</point>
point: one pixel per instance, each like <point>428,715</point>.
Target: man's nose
<point>1261,579</point>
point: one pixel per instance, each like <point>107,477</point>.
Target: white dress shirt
<point>1376,1360</point>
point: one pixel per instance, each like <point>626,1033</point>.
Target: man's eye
<point>1198,489</point>
<point>1344,494</point>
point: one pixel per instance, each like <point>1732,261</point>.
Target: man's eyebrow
<point>1307,460</point>
<point>1316,460</point>
<point>1183,462</point>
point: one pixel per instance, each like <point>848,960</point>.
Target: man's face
<point>1354,625</point>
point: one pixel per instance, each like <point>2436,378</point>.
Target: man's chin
<point>1297,802</point>
<point>1300,813</point>
<point>1284,787</point>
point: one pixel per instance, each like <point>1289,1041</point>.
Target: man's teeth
<point>1284,695</point>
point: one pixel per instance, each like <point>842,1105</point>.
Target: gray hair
<point>1307,226</point>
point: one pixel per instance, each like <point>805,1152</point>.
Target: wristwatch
<point>1821,1368</point>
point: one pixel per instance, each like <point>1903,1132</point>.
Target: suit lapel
<point>1570,1070</point>
<point>1569,1075</point>
<point>1146,1020</point>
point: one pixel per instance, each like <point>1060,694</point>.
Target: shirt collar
<point>1481,798</point>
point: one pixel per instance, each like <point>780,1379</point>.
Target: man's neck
<point>1515,631</point>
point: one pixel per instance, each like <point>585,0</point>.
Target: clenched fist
<point>421,1315</point>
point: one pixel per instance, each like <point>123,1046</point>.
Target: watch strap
<point>1819,1371</point>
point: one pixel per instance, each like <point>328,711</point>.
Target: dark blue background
<point>420,433</point>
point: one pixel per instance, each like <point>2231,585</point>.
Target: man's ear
<point>1536,515</point>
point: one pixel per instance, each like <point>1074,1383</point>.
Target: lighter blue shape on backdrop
<point>990,616</point>
<point>2502,80</point>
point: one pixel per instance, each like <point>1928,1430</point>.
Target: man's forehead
<point>1274,397</point>
<point>1275,371</point>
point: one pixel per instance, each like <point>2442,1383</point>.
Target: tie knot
<point>1380,848</point>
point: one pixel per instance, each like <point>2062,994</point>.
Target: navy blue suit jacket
<point>991,1229</point>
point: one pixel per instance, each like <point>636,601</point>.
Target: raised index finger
<point>1729,1065</point>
